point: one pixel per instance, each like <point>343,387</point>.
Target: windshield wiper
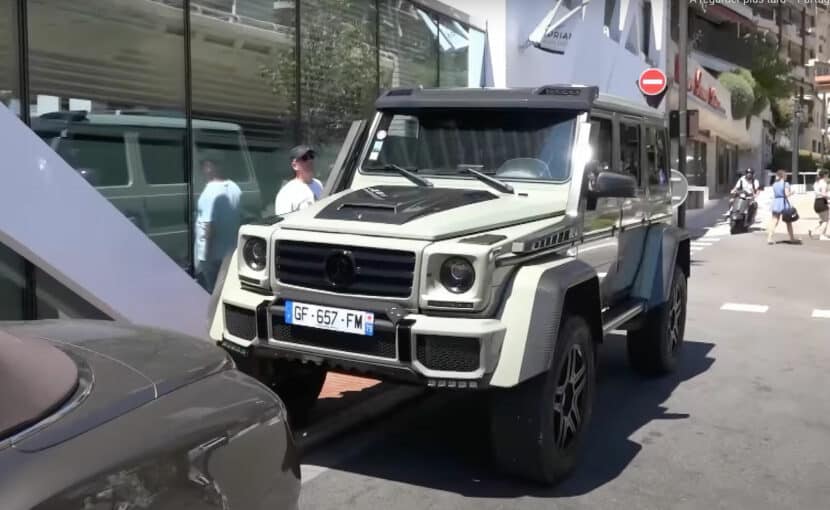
<point>420,181</point>
<point>486,179</point>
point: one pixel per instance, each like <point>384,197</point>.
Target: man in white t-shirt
<point>217,223</point>
<point>304,189</point>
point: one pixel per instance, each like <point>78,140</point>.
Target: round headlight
<point>253,252</point>
<point>457,275</point>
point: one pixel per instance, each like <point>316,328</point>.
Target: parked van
<point>137,162</point>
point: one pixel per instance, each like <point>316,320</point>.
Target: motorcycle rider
<point>750,184</point>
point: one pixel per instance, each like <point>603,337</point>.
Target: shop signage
<point>554,33</point>
<point>696,87</point>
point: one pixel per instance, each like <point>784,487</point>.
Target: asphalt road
<point>744,423</point>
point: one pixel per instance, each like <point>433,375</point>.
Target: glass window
<point>244,75</point>
<point>12,285</point>
<point>630,149</point>
<point>601,143</point>
<point>162,155</point>
<point>9,85</point>
<point>510,144</point>
<point>454,57</point>
<point>338,54</point>
<point>132,84</point>
<point>408,45</point>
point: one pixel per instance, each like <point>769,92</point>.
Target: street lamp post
<point>795,141</point>
<point>682,42</point>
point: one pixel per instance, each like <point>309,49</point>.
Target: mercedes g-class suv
<point>473,239</point>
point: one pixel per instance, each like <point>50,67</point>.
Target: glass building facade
<point>135,94</point>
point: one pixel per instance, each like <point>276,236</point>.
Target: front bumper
<point>452,352</point>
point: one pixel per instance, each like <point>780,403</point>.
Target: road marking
<point>741,307</point>
<point>693,249</point>
<point>821,314</point>
<point>698,243</point>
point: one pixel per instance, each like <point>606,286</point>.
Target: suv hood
<point>423,213</point>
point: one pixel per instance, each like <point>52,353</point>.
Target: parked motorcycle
<point>743,212</point>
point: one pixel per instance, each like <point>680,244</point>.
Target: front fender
<point>666,246</point>
<point>531,312</point>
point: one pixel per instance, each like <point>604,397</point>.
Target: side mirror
<point>612,185</point>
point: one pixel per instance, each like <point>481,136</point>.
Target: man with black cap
<point>304,189</point>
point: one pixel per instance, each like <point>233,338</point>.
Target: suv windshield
<point>509,144</point>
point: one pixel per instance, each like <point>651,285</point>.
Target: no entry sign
<point>652,82</point>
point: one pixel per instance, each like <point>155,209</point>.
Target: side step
<point>613,318</point>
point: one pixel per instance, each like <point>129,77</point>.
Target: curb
<point>365,411</point>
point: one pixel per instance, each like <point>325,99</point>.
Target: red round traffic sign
<point>652,82</point>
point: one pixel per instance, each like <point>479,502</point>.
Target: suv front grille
<point>447,353</point>
<point>374,272</point>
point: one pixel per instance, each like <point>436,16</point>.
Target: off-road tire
<point>531,427</point>
<point>734,228</point>
<point>297,384</point>
<point>654,348</point>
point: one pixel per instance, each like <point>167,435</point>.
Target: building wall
<point>607,34</point>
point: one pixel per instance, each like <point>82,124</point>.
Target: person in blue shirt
<point>217,223</point>
<point>781,192</point>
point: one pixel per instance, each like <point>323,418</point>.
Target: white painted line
<point>699,243</point>
<point>652,81</point>
<point>741,307</point>
<point>821,314</point>
<point>695,249</point>
<point>711,239</point>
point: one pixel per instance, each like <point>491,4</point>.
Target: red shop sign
<point>709,95</point>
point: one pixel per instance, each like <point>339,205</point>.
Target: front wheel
<point>734,227</point>
<point>654,348</point>
<point>538,426</point>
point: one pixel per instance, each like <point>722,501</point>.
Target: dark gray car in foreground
<point>98,414</point>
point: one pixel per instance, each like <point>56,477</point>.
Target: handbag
<point>820,205</point>
<point>790,213</point>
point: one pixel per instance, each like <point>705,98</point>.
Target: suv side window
<point>630,149</point>
<point>100,154</point>
<point>601,142</point>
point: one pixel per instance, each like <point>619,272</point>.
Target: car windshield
<point>509,144</point>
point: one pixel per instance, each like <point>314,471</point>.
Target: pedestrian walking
<point>217,223</point>
<point>304,189</point>
<point>781,207</point>
<point>820,204</point>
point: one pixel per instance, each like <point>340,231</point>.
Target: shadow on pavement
<point>445,445</point>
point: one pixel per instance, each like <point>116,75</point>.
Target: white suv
<point>473,239</point>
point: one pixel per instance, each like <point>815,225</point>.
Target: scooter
<point>743,212</point>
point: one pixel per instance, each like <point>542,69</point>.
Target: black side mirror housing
<point>612,185</point>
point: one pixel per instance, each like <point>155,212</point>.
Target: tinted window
<point>100,156</point>
<point>630,149</point>
<point>601,142</point>
<point>225,149</point>
<point>162,155</point>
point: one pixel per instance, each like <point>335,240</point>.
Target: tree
<point>771,75</point>
<point>743,98</point>
<point>338,83</point>
<point>782,113</point>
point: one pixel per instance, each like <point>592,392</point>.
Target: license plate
<point>330,318</point>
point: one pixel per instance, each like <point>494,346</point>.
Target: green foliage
<point>339,63</point>
<point>761,101</point>
<point>782,113</point>
<point>771,73</point>
<point>743,98</point>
